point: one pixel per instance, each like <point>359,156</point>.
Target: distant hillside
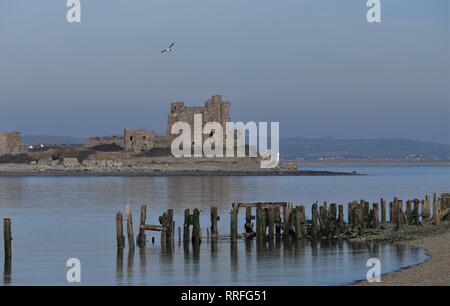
<point>328,148</point>
<point>48,139</point>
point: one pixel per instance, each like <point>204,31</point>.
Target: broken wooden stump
<point>214,219</point>
<point>120,238</point>
<point>234,222</point>
<point>186,224</point>
<point>142,238</point>
<point>130,233</point>
<point>196,230</point>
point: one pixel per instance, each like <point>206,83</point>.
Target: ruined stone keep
<point>215,110</point>
<point>11,143</point>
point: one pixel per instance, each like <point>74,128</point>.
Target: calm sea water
<point>57,218</point>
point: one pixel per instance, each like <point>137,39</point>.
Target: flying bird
<point>168,49</point>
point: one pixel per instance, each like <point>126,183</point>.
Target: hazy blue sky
<point>317,66</point>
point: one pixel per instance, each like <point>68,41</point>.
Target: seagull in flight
<point>168,49</point>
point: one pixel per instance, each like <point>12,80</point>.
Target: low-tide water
<point>57,218</point>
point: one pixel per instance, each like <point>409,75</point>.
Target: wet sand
<point>433,272</point>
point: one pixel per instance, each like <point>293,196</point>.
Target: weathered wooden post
<point>120,238</point>
<point>248,222</point>
<point>214,219</point>
<point>271,221</point>
<point>142,238</point>
<point>383,211</point>
<point>350,213</point>
<point>426,208</point>
<point>391,213</point>
<point>331,220</point>
<point>376,220</point>
<point>322,219</point>
<point>416,214</point>
<point>170,225</point>
<point>366,213</point>
<point>233,222</point>
<point>130,232</point>
<point>163,221</point>
<point>303,222</point>
<point>196,236</point>
<point>260,223</point>
<point>186,224</point>
<point>341,222</point>
<point>437,212</point>
<point>277,222</point>
<point>7,237</point>
<point>409,216</point>
<point>314,220</point>
<point>297,222</point>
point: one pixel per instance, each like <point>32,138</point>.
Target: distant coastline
<point>372,163</point>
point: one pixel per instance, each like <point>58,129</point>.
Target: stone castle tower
<point>215,110</point>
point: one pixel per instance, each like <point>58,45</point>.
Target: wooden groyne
<point>283,220</point>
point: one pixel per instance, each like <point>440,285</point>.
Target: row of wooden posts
<point>282,219</point>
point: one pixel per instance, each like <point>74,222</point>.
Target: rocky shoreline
<point>138,172</point>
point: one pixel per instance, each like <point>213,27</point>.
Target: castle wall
<point>139,140</point>
<point>11,143</point>
<point>106,140</point>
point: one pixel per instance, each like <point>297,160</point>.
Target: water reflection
<point>275,261</point>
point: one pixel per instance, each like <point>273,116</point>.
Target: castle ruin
<point>214,110</point>
<point>11,143</point>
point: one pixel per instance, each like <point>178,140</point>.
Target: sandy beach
<point>433,272</point>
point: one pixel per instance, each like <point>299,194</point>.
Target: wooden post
<point>416,214</point>
<point>322,218</point>
<point>186,234</point>
<point>271,221</point>
<point>260,223</point>
<point>214,218</point>
<point>7,236</point>
<point>142,238</point>
<point>409,215</point>
<point>366,213</point>
<point>426,208</point>
<point>233,222</point>
<point>350,213</point>
<point>303,222</point>
<point>383,211</point>
<point>437,212</point>
<point>314,220</point>
<point>196,236</point>
<point>391,212</point>
<point>248,222</point>
<point>120,238</point>
<point>376,220</point>
<point>196,229</point>
<point>332,218</point>
<point>163,221</point>
<point>341,222</point>
<point>277,222</point>
<point>179,233</point>
<point>170,225</point>
<point>130,232</point>
<point>298,222</point>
